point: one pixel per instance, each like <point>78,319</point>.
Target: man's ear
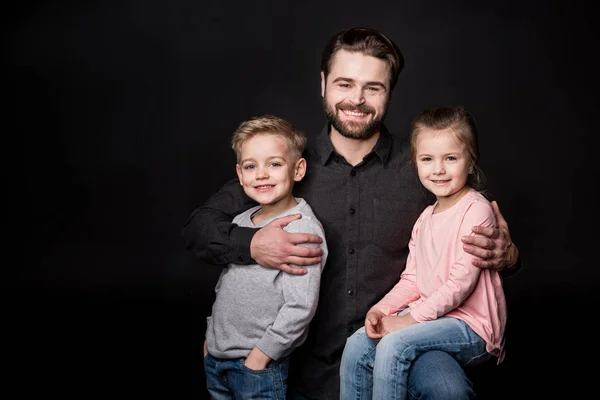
<point>238,170</point>
<point>300,170</point>
<point>323,82</point>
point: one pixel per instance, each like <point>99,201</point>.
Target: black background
<point>122,113</point>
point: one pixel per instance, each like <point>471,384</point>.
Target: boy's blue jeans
<point>379,370</point>
<point>231,379</point>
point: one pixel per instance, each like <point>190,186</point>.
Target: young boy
<point>261,314</point>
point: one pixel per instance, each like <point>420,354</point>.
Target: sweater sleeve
<point>209,234</point>
<point>405,291</point>
<point>301,294</point>
<point>463,276</point>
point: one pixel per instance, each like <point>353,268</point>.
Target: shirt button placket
<point>352,231</point>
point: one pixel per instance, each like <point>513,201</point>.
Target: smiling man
<point>365,193</point>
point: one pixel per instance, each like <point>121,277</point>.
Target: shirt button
<point>240,258</point>
<point>353,172</point>
<point>350,292</point>
<point>350,329</point>
<point>352,211</point>
<point>351,250</point>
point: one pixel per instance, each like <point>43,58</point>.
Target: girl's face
<point>443,165</point>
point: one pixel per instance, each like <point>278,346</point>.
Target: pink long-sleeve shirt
<point>440,280</point>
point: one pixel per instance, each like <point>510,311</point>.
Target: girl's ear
<point>299,170</point>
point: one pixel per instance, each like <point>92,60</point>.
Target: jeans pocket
<point>265,370</point>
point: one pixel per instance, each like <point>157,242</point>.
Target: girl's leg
<point>356,369</point>
<point>436,374</point>
<point>397,350</point>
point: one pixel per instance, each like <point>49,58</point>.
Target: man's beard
<point>353,129</point>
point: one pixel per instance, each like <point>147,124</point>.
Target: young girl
<point>442,302</point>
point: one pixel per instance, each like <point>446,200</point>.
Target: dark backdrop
<point>123,110</point>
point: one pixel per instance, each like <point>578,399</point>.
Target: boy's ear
<point>300,170</point>
<point>238,170</point>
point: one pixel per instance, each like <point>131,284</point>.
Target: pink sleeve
<point>405,290</point>
<point>463,275</point>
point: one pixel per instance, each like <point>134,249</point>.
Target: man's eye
<point>373,88</point>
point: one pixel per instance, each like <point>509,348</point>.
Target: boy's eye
<point>248,166</point>
<point>276,164</point>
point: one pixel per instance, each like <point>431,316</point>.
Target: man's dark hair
<point>366,41</point>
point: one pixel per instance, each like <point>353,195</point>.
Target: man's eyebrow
<point>341,78</point>
<point>375,83</point>
<point>350,80</point>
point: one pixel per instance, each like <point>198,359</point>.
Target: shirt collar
<point>326,150</point>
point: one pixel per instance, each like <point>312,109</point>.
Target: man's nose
<point>357,96</point>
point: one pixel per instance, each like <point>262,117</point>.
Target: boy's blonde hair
<point>269,125</point>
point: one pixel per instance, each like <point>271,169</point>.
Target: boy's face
<point>267,170</point>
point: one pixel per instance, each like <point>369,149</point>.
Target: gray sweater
<point>265,307</point>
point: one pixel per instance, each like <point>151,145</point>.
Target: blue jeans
<point>231,379</point>
<point>380,370</point>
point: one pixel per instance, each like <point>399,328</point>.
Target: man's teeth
<point>355,113</point>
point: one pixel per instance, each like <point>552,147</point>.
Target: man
<point>364,191</point>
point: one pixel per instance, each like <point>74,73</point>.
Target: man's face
<point>356,94</point>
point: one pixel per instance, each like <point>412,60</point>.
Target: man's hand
<point>257,360</point>
<point>391,323</point>
<point>273,247</point>
<point>492,246</point>
<point>373,326</point>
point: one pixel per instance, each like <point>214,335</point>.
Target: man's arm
<point>209,233</point>
<point>493,247</point>
<point>211,236</point>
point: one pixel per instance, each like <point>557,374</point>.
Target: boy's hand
<point>257,360</point>
<point>273,247</point>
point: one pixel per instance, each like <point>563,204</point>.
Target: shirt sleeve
<point>463,275</point>
<point>405,291</point>
<point>301,294</point>
<point>209,233</point>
